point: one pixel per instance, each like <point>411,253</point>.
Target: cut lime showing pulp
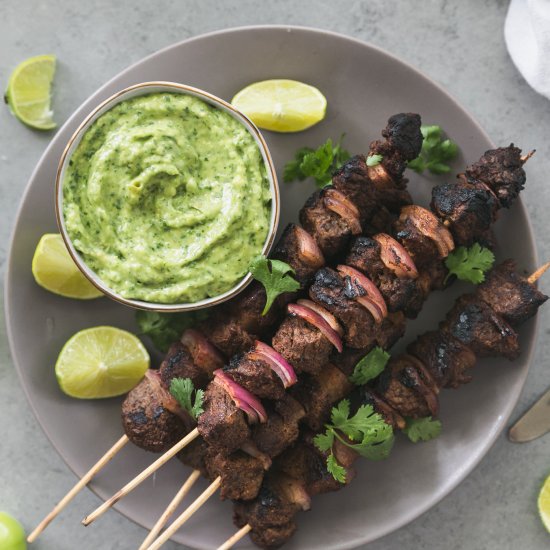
<point>101,362</point>
<point>29,91</point>
<point>281,105</point>
<point>54,269</point>
<point>544,503</point>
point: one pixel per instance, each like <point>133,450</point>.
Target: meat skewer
<point>510,297</point>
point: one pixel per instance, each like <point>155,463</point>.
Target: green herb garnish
<point>165,328</point>
<point>275,276</point>
<point>422,429</point>
<point>318,163</point>
<point>436,152</point>
<point>366,433</point>
<point>469,264</point>
<point>374,160</point>
<point>190,399</point>
<point>369,367</point>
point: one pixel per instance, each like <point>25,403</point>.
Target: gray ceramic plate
<point>364,85</point>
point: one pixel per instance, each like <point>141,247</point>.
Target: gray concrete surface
<point>459,44</point>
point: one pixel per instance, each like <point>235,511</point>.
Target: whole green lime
<point>12,536</point>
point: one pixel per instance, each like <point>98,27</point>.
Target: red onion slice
<point>205,355</point>
<point>338,203</point>
<point>242,398</point>
<point>318,322</point>
<point>250,448</point>
<point>326,315</point>
<point>309,249</point>
<point>280,366</point>
<point>395,257</point>
<point>371,299</point>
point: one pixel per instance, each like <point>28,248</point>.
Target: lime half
<point>543,503</point>
<point>282,105</point>
<point>101,362</point>
<point>54,269</point>
<point>29,91</point>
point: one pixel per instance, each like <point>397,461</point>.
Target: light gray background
<point>459,44</point>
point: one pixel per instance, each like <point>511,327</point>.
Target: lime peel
<point>543,503</point>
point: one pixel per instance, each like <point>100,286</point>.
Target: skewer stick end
<point>526,157</point>
<point>536,275</point>
<point>230,542</point>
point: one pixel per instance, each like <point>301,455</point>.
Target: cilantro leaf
<point>183,389</point>
<point>275,276</point>
<point>436,152</point>
<point>422,429</point>
<point>338,472</point>
<point>318,163</point>
<point>369,367</point>
<point>374,160</point>
<point>365,432</point>
<point>470,264</point>
<point>165,328</point>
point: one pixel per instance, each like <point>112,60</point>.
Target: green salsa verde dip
<point>166,198</point>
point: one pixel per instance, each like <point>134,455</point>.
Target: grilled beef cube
<point>421,248</point>
<point>331,231</point>
<point>194,455</point>
<point>241,474</point>
<point>367,396</point>
<point>468,210</point>
<point>319,393</point>
<point>178,363</point>
<point>403,134</point>
<point>255,375</point>
<point>502,171</point>
<point>510,295</point>
<point>302,345</point>
<point>475,324</point>
<point>222,424</point>
<point>400,294</point>
<point>298,248</point>
<point>146,422</point>
<point>391,329</point>
<point>337,295</point>
<point>227,334</point>
<point>448,359</point>
<point>404,389</point>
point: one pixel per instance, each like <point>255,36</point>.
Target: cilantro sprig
<point>275,276</point>
<point>318,163</point>
<point>165,328</point>
<point>470,264</point>
<point>422,429</point>
<point>365,432</point>
<point>374,160</point>
<point>436,152</point>
<point>187,396</point>
<point>370,366</point>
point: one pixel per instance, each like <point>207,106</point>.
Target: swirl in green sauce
<point>167,199</point>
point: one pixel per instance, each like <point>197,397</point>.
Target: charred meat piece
<point>222,424</point>
<point>346,361</point>
<point>403,134</point>
<point>337,295</point>
<point>475,324</point>
<point>502,171</point>
<point>204,354</point>
<point>194,455</point>
<point>400,294</point>
<point>330,230</point>
<point>178,363</point>
<point>391,329</point>
<point>468,210</point>
<point>367,396</point>
<point>319,393</point>
<point>241,474</point>
<point>227,334</point>
<point>403,388</point>
<point>255,375</point>
<point>448,359</point>
<point>146,421</point>
<point>510,295</point>
<point>302,345</point>
<point>299,249</point>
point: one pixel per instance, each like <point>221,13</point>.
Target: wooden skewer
<point>230,542</point>
<point>171,508</point>
<point>141,477</point>
<point>76,489</point>
<point>178,522</point>
<point>536,275</point>
<point>526,157</point>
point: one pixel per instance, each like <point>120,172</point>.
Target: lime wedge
<point>12,536</point>
<point>282,105</point>
<point>543,503</point>
<point>54,269</point>
<point>29,91</point>
<point>101,362</point>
